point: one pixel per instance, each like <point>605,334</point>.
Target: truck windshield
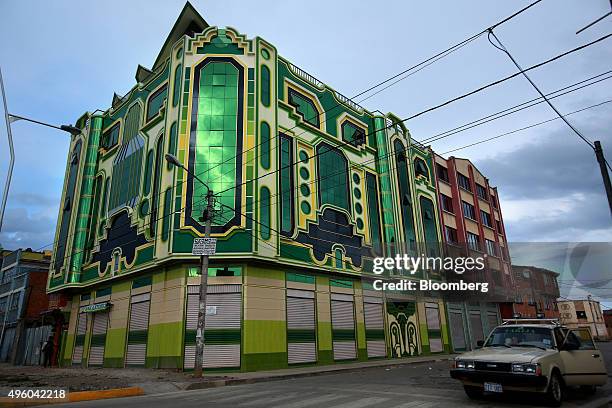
<point>521,336</point>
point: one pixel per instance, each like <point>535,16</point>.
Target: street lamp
<point>9,118</point>
<point>206,216</point>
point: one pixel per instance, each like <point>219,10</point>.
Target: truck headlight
<point>466,365</point>
<point>526,368</point>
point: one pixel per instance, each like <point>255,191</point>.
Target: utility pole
<point>604,171</point>
<point>199,354</point>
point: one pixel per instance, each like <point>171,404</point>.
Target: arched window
<point>352,134</point>
<point>420,168</point>
<point>265,85</point>
<point>305,107</point>
<point>125,186</point>
<point>159,162</point>
<point>333,177</point>
<point>264,213</point>
<point>264,134</point>
<point>429,226</point>
<point>405,194</point>
<point>176,89</point>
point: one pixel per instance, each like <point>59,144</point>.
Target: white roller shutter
<point>373,314</point>
<point>81,329</point>
<point>96,352</point>
<point>224,306</point>
<point>432,314</point>
<point>492,321</point>
<point>301,317</point>
<point>343,318</point>
<point>138,327</point>
<point>457,331</point>
<point>476,326</point>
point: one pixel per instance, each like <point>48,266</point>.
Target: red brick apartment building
<point>537,292</point>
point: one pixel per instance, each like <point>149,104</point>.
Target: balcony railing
<point>17,282</point>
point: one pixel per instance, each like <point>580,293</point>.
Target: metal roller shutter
<point>301,334</point>
<point>77,354</point>
<point>492,321</point>
<point>343,326</point>
<point>457,331</point>
<point>374,322</point>
<point>98,338</point>
<point>432,315</point>
<point>138,330</point>
<point>476,326</point>
<point>224,311</point>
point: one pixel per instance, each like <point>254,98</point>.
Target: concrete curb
<point>288,376</point>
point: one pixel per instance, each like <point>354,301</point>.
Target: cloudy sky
<point>62,58</point>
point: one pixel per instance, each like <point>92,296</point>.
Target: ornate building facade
<point>309,188</point>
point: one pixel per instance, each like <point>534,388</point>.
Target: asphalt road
<point>409,386</point>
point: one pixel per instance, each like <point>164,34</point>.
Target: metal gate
<point>34,339</point>
<point>301,332</point>
<point>79,342</point>
<point>138,330</point>
<point>457,331</point>
<point>343,326</point>
<point>491,321</point>
<point>375,326</point>
<point>476,328</point>
<point>98,339</point>
<point>222,330</point>
<point>432,315</point>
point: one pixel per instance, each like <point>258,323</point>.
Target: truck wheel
<point>472,392</point>
<point>554,394</point>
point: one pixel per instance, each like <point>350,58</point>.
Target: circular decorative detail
<point>179,53</point>
<point>359,223</point>
<point>305,207</point>
<point>357,193</point>
<point>305,190</point>
<point>265,53</point>
<point>304,156</point>
<point>144,208</point>
<point>304,173</point>
<point>358,208</point>
<point>356,178</point>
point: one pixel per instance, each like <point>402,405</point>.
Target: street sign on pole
<point>204,246</point>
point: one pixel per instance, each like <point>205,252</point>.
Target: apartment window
<point>111,136</point>
<point>305,107</point>
<point>499,226</point>
<point>451,234</point>
<point>14,301</point>
<point>442,172</point>
<point>464,182</point>
<point>473,241</point>
<point>468,210</point>
<point>420,168</point>
<point>156,102</point>
<point>494,201</point>
<point>447,203</point>
<point>352,134</point>
<point>481,191</point>
<point>485,217</point>
<point>491,247</point>
<point>581,314</point>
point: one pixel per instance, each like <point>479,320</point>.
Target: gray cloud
<point>22,229</point>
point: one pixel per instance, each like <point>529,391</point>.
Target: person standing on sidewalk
<point>47,351</point>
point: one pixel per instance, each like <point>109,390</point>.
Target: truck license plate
<point>492,387</point>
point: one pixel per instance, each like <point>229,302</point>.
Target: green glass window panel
<point>405,194</point>
<point>167,213</point>
<point>104,291</point>
<point>304,156</point>
<point>264,212</point>
<point>298,277</point>
<point>305,107</point>
<point>305,207</point>
<point>265,145</point>
<point>111,137</point>
<point>127,165</point>
<point>374,212</point>
<point>430,226</point>
<point>265,54</point>
<point>304,173</point>
<point>338,262</point>
<point>305,190</point>
<point>148,172</point>
<point>333,177</point>
<point>357,193</point>
<point>156,102</point>
<point>359,223</point>
<point>286,184</point>
<point>172,141</point>
<point>216,134</point>
<point>93,221</point>
<point>142,281</point>
<point>159,162</point>
<point>265,85</point>
<point>358,208</point>
<point>352,134</point>
<point>176,90</point>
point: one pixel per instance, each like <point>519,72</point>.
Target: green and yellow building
<point>309,187</point>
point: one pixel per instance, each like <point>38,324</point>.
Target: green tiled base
<point>113,362</point>
<point>164,362</point>
<point>264,361</point>
<point>362,354</point>
<point>325,357</point>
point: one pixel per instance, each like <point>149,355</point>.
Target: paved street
<point>409,386</point>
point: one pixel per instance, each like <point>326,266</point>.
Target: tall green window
<point>264,212</point>
<point>428,218</point>
<point>305,107</point>
<point>403,181</point>
<point>286,184</point>
<point>374,212</point>
<point>264,134</point>
<point>127,165</point>
<point>93,220</point>
<point>333,177</point>
<point>172,141</point>
<point>265,85</point>
<point>216,134</point>
<point>156,101</point>
<point>159,162</point>
<point>148,173</point>
<point>111,137</point>
<point>176,88</point>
